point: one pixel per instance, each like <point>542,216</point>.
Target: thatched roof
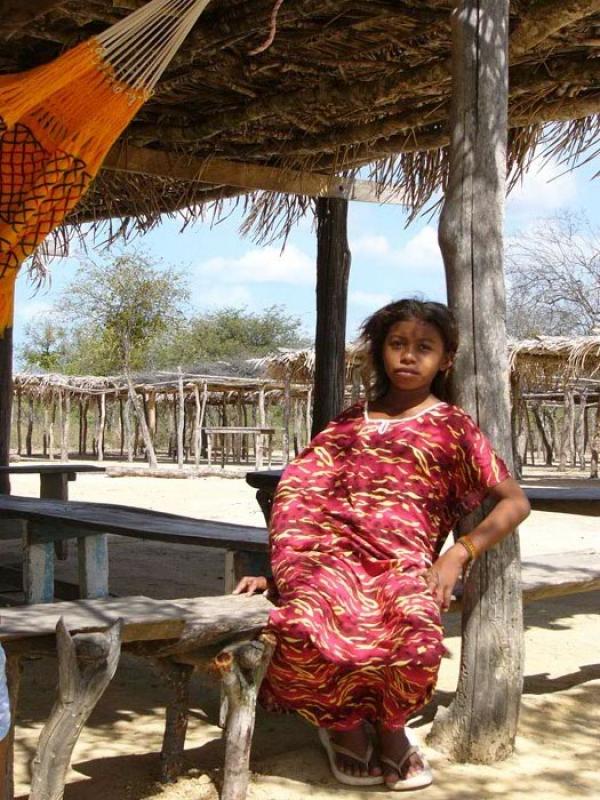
<point>343,84</point>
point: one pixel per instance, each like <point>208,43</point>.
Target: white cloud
<point>543,189</point>
<point>264,265</point>
<point>369,300</point>
<point>30,309</point>
<point>421,253</point>
<point>371,246</point>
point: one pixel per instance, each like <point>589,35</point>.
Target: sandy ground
<point>116,757</point>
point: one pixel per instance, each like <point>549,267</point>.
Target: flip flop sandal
<point>331,748</point>
<point>418,781</point>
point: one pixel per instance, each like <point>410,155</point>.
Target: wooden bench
<point>49,521</point>
<point>218,634</point>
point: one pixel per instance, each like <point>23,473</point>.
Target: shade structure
<point>58,121</point>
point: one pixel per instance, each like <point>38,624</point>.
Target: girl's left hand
<point>442,576</point>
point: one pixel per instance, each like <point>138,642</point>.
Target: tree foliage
<point>553,276</point>
<point>116,308</point>
<point>128,313</point>
<point>45,345</point>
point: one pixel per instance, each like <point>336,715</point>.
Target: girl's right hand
<point>252,585</point>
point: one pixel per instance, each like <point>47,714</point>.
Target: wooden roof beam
<point>547,18</point>
<point>251,177</point>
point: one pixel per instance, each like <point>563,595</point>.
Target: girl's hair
<point>376,327</point>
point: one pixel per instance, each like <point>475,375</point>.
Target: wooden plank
<point>61,518</point>
<point>221,172</point>
<point>50,469</point>
<point>144,618</point>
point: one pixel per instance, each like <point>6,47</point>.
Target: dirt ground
<point>116,757</point>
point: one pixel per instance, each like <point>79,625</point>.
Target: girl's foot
<point>394,745</point>
<point>355,741</point>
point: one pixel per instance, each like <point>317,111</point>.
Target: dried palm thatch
<point>321,86</point>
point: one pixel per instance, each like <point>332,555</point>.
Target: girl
<point>356,525</point>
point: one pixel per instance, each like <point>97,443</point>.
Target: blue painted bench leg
<point>93,566</point>
<point>38,566</point>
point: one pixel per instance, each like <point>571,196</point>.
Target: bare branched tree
<point>553,272</point>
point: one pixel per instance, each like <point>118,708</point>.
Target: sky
<point>389,259</point>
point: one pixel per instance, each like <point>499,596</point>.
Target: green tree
<point>45,345</point>
<point>229,334</point>
<point>119,306</point>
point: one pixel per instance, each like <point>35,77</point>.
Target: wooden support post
<point>29,434</point>
<point>6,385</point>
<point>242,669</point>
<point>595,444</point>
<point>481,723</point>
<point>53,403</point>
<point>19,422</point>
<point>86,665</point>
<point>180,418</point>
<point>309,405</point>
<point>38,567</point>
<point>93,566</point>
<point>285,438</point>
<point>333,271</point>
<point>64,441</point>
<point>100,429</point>
<point>261,420</point>
<point>56,487</point>
<point>128,430</point>
<point>178,678</point>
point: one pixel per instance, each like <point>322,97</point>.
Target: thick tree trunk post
<point>481,723</point>
<point>86,665</point>
<point>178,678</point>
<point>242,668</point>
<point>151,405</point>
<point>180,418</point>
<point>19,422</point>
<point>333,270</point>
<point>141,420</point>
<point>13,678</point>
<point>64,442</point>
<point>6,393</point>
<point>595,445</point>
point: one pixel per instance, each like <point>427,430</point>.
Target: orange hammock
<point>57,123</point>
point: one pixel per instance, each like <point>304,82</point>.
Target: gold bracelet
<point>467,543</point>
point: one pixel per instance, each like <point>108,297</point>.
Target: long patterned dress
<point>356,516</point>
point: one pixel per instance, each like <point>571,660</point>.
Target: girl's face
<point>413,354</point>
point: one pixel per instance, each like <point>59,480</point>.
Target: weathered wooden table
<point>258,434</point>
<point>54,478</point>
<point>50,521</point>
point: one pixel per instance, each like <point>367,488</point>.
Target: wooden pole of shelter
<point>309,405</point>
<point>128,432</point>
<point>180,417</point>
<point>45,435</point>
<point>285,437</point>
<point>595,445</point>
<point>19,422</point>
<point>333,270</point>
<point>141,420</point>
<point>6,389</point>
<point>565,430</point>
<point>100,426</point>
<point>64,444</point>
<point>546,443</point>
<point>29,434</point>
<point>51,426</point>
<point>481,723</point>
<point>261,419</point>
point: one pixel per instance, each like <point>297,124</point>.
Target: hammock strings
<point>58,121</point>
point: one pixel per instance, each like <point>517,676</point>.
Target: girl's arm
<point>511,509</point>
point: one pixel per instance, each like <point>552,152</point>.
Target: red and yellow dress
<point>356,516</point>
